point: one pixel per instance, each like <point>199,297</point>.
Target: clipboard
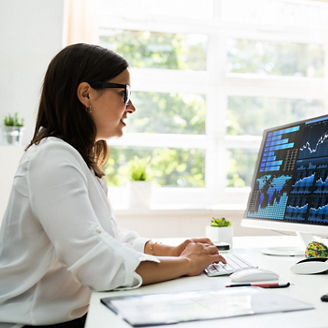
<point>171,308</point>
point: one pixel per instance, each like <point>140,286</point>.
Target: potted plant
<point>13,129</point>
<point>220,231</point>
<point>140,186</point>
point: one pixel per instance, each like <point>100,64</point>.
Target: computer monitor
<point>290,183</point>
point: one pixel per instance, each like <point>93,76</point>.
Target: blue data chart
<point>312,165</point>
<point>319,211</point>
<point>270,200</point>
<point>309,193</point>
<point>307,166</point>
<point>315,140</point>
<point>276,141</point>
<point>297,208</point>
<point>274,211</point>
<point>321,186</point>
<point>296,212</point>
<point>311,176</point>
<point>303,185</point>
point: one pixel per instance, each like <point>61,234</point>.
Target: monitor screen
<point>290,183</point>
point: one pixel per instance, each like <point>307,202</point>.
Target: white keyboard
<point>234,263</point>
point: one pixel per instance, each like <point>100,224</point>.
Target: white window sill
<point>180,210</point>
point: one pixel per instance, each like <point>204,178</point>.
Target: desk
<point>308,288</point>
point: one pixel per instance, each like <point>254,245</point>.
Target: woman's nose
<point>130,106</point>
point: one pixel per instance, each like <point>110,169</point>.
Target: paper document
<point>170,308</point>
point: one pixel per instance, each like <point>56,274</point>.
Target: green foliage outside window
<point>251,115</point>
<point>272,58</point>
<point>167,113</point>
<point>241,166</point>
<point>168,166</point>
<point>157,49</point>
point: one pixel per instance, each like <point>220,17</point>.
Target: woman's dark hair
<point>61,114</point>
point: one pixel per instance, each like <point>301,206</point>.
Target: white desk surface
<point>308,288</point>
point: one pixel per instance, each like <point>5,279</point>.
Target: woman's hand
<point>177,251</point>
<point>158,249</point>
<point>200,256</point>
<point>190,259</point>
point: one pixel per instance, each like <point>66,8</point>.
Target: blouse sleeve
<point>58,190</point>
<point>132,238</point>
<point>124,235</point>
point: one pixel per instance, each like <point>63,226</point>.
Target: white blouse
<point>59,240</point>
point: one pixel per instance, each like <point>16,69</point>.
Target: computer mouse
<point>253,274</point>
<point>311,265</point>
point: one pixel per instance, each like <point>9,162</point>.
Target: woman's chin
<point>113,134</point>
<point>116,135</point>
<point>119,133</point>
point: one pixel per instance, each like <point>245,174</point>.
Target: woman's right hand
<point>200,256</point>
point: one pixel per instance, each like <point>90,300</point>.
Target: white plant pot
<point>140,194</point>
<point>220,234</point>
<point>12,135</point>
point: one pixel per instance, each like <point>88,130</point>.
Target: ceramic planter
<point>13,135</point>
<point>140,194</point>
<point>220,234</point>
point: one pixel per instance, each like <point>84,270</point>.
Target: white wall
<point>9,159</point>
<point>31,33</point>
<point>185,223</point>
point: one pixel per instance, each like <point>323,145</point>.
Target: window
<point>207,78</point>
<point>275,58</point>
<point>145,49</point>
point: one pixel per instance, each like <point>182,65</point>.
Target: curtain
<point>81,21</point>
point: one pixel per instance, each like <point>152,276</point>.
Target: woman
<point>59,240</point>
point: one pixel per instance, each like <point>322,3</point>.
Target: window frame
<point>217,86</point>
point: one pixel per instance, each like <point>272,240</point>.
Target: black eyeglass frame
<point>110,85</point>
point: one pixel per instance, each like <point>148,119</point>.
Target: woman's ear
<point>83,93</point>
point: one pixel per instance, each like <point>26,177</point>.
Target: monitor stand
<point>291,251</point>
<point>284,251</point>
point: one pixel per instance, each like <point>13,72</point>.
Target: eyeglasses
<point>104,85</point>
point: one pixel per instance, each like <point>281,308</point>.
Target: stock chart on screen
<point>291,181</point>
